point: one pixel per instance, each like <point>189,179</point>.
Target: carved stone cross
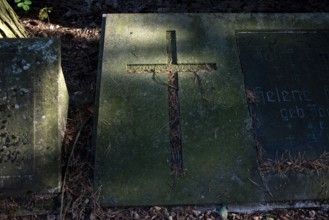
<point>172,68</point>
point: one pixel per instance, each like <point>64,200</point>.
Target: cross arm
<point>146,68</point>
<point>165,68</point>
<point>196,67</point>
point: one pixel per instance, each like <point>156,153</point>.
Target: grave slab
<point>175,124</point>
<point>293,68</point>
<point>290,117</point>
<point>33,109</point>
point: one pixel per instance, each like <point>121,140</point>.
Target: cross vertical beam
<point>175,135</point>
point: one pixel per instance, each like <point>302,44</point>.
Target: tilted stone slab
<point>33,110</point>
<point>176,122</point>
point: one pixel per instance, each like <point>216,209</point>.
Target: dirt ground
<point>77,24</point>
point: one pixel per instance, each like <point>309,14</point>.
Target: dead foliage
<point>297,163</point>
<point>77,24</point>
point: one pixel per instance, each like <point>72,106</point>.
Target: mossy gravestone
<point>186,112</point>
<point>33,108</point>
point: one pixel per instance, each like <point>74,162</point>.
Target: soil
<point>77,24</point>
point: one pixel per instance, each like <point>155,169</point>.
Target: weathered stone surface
<point>33,109</point>
<point>134,161</point>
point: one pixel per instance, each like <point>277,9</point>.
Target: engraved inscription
<point>16,119</point>
<point>287,74</point>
